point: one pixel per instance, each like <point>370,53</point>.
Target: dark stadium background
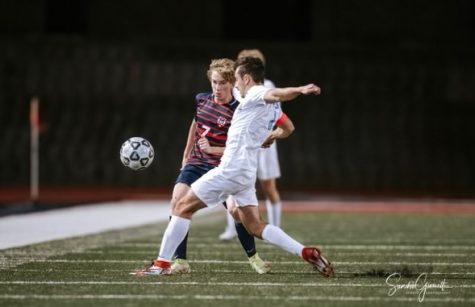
<point>396,117</point>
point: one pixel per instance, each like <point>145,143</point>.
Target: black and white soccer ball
<point>137,153</point>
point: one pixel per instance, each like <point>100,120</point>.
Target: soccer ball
<point>137,153</point>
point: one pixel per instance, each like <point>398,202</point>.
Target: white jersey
<point>268,159</point>
<point>268,83</point>
<point>252,121</point>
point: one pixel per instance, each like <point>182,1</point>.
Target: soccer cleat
<point>157,267</point>
<point>259,265</point>
<point>313,256</point>
<point>228,234</point>
<point>180,266</point>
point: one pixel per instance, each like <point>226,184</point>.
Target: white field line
<point>194,283</point>
<point>323,246</point>
<point>413,242</point>
<point>348,263</point>
<point>362,243</point>
<point>401,247</point>
<point>234,298</point>
<point>189,283</point>
<point>340,272</point>
<point>217,252</point>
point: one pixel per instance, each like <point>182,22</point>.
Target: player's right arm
<point>285,127</point>
<point>189,143</point>
<point>207,148</point>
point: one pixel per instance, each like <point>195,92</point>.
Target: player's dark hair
<point>251,66</point>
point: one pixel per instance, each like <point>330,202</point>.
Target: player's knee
<point>235,214</point>
<point>255,229</point>
<point>187,206</point>
<point>182,208</point>
<point>174,204</point>
<point>269,186</point>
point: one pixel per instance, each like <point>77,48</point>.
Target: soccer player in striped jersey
<point>236,173</point>
<point>205,144</point>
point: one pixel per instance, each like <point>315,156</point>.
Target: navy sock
<point>247,241</point>
<point>181,249</point>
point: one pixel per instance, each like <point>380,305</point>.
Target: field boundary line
<point>401,254</point>
<point>233,297</point>
<point>340,272</point>
<point>281,262</point>
<point>197,283</point>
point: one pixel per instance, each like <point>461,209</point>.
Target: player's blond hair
<point>225,67</point>
<point>254,53</point>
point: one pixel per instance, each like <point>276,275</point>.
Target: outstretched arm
<point>290,93</point>
<point>285,127</point>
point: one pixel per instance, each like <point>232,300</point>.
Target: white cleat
<point>259,265</point>
<point>180,266</point>
<point>228,235</point>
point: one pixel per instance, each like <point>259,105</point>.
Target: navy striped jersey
<point>212,121</point>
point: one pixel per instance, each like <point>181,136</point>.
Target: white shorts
<point>214,187</point>
<point>268,163</point>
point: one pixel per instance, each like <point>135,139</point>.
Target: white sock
<point>277,213</point>
<point>231,227</point>
<point>270,212</point>
<point>278,237</point>
<point>274,212</point>
<point>172,237</point>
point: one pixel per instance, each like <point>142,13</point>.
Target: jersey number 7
<point>206,130</point>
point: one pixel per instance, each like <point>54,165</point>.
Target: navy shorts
<point>190,173</point>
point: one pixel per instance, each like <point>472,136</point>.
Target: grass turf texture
<point>365,249</point>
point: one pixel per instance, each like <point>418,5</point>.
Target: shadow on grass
<point>403,271</point>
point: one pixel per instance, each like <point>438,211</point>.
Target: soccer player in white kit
<point>236,174</point>
<point>268,168</point>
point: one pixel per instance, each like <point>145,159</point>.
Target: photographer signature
<point>420,285</point>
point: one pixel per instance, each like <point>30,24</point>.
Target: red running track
<point>308,203</point>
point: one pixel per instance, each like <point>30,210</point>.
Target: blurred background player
<point>268,168</point>
<point>204,147</point>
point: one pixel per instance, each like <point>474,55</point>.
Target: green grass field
<point>434,252</point>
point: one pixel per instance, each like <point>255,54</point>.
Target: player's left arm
<point>284,128</point>
<point>189,143</point>
<point>290,93</point>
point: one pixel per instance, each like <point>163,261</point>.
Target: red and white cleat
<point>157,267</point>
<point>313,256</point>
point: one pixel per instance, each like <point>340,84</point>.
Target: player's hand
<point>204,145</point>
<point>311,89</point>
<point>268,141</point>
